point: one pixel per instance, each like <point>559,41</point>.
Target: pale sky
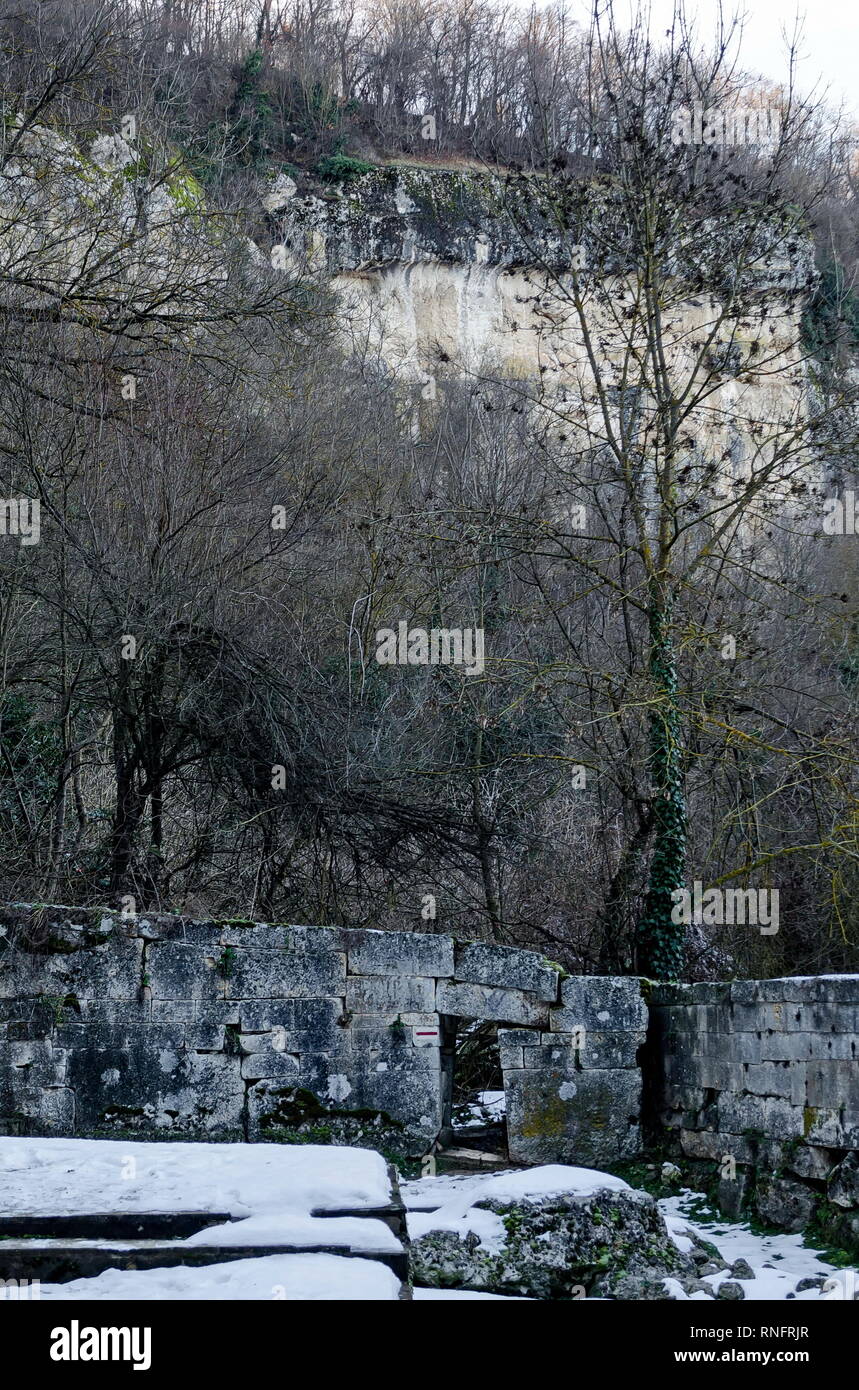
<point>828,48</point>
<point>829,45</point>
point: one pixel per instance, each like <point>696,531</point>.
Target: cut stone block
<point>399,953</point>
<point>480,1001</point>
<point>588,1119</point>
<point>403,993</point>
<point>600,1003</point>
<point>286,975</point>
<point>506,968</point>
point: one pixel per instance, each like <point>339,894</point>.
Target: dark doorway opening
<point>474,1124</point>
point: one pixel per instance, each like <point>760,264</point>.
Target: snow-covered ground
<point>292,1278</point>
<point>778,1262</point>
<point>272,1190</point>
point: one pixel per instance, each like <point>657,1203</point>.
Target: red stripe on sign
<point>433,1033</point>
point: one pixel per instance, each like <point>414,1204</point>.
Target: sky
<point>829,46</point>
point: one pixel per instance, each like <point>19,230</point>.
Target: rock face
<point>607,1245</point>
<point>100,233</point>
<point>451,273</point>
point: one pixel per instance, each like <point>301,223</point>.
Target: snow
<point>485,1224</point>
<point>677,1292</point>
<point>779,1262</point>
<point>66,1176</point>
<point>489,1108</point>
<point>291,1278</point>
<point>270,1189</point>
<point>458,1295</point>
<point>286,1228</point>
<point>552,1179</point>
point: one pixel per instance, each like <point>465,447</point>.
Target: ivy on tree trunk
<point>661,941</point>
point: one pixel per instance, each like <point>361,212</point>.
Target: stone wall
<point>573,1093</point>
<point>244,1030</point>
<point>758,1081</point>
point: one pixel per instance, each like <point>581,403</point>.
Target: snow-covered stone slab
<point>57,1176</point>
<point>290,1278</point>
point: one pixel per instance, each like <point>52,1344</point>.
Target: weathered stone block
<point>259,1015</point>
<point>788,1047</point>
<point>387,993</point>
<point>270,1064</point>
<point>503,967</point>
<point>719,1076</point>
<point>206,1037</point>
<point>394,1055</point>
<point>757,1018</point>
<point>414,1099</point>
<point>179,971</point>
<point>480,1001</point>
<point>318,1025</point>
<point>286,975</point>
<point>519,1037</point>
<point>399,953</point>
<point>217,1012</point>
<point>832,1085</point>
<point>561,1054</point>
<point>709,992</point>
<point>713,1145</point>
<point>260,936</point>
<point>147,1077</point>
<point>511,1058</point>
<point>603,1051</point>
<point>600,1003</point>
<point>170,1011</point>
<point>783,1079</point>
<point>771,1116</point>
<point>109,972</point>
<point>583,1118</point>
<point>137,1010</point>
<point>664,995</point>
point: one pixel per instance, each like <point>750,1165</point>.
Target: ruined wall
<point>759,1081</point>
<point>573,1093</point>
<point>240,1030</point>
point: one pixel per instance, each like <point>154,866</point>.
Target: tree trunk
<point>660,940</point>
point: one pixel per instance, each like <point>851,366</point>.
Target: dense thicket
<point>252,759</point>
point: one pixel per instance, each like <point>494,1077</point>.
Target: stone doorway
<point>474,1126</point>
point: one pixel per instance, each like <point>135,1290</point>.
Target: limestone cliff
<point>455,273</point>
